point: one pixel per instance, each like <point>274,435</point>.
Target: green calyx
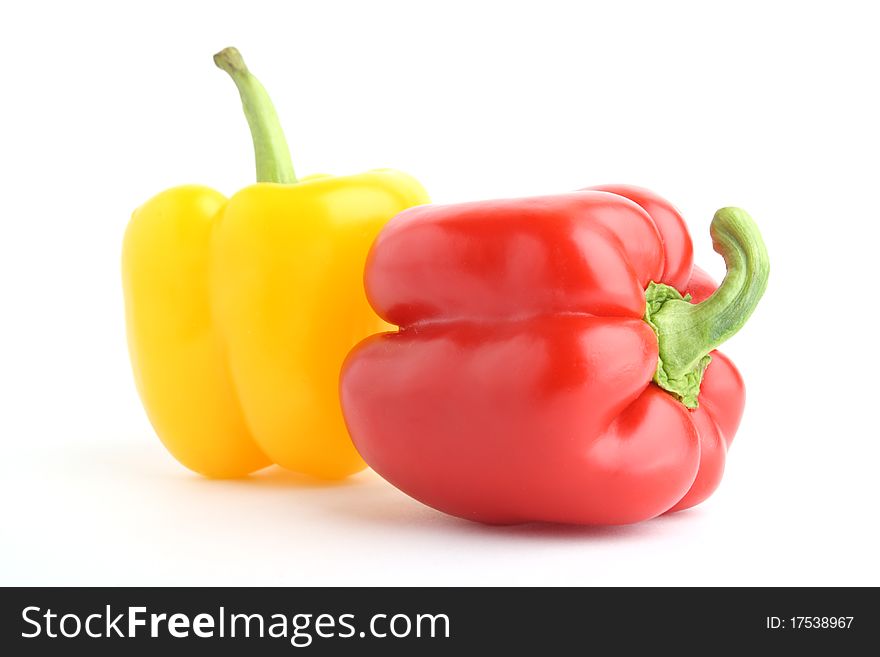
<point>688,332</point>
<point>684,383</point>
<point>270,147</point>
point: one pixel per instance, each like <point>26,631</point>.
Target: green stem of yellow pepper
<point>270,147</point>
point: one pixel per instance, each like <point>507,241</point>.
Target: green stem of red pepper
<point>687,332</point>
<point>270,147</point>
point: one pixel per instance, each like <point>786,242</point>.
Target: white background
<point>771,106</point>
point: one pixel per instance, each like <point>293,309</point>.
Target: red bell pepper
<point>547,367</point>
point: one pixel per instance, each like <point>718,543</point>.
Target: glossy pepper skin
<point>520,384</point>
<point>241,310</point>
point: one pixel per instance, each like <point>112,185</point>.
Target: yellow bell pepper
<point>240,311</point>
